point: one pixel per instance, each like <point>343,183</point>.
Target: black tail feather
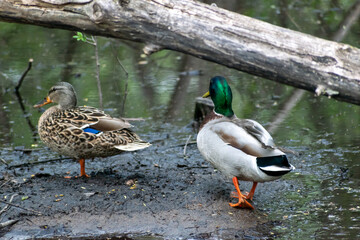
<point>274,165</point>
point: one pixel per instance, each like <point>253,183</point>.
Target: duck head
<point>220,93</point>
<point>62,93</point>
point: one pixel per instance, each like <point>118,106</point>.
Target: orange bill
<point>43,102</point>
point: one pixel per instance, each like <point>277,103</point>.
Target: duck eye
<point>52,90</point>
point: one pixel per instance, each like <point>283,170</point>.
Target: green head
<point>221,95</point>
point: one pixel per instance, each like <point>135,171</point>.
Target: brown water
<point>322,196</point>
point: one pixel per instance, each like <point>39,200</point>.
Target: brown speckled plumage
<point>63,128</point>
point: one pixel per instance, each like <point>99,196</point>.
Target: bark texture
<point>208,32</point>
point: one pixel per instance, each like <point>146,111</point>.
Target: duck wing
<point>234,134</point>
<point>90,127</point>
<point>93,120</point>
<point>256,130</point>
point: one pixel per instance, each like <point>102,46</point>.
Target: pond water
<point>324,200</point>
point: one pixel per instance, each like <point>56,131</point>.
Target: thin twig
<point>345,26</point>
<point>15,205</point>
<point>8,223</point>
<point>19,98</point>
<point>98,72</point>
<point>126,87</point>
<point>187,142</point>
<point>25,113</point>
<point>126,83</point>
<point>3,161</point>
<point>175,146</point>
<point>122,66</point>
<point>7,206</point>
<point>36,163</point>
<point>90,40</point>
<point>4,183</point>
<point>298,93</point>
<point>285,110</point>
<point>182,145</point>
<point>24,75</point>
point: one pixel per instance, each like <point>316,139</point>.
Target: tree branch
<point>208,32</point>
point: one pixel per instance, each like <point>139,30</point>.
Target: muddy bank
<point>155,192</point>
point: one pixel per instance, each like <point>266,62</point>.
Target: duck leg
<point>252,191</point>
<point>242,198</point>
<point>82,168</point>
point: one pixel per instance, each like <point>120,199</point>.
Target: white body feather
<point>230,160</point>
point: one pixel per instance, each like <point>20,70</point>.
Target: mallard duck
<point>83,132</point>
<point>240,148</point>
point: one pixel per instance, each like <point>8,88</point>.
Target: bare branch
<point>7,206</point>
<point>8,223</point>
<point>27,209</point>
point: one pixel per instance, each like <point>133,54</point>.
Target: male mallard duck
<point>83,132</point>
<point>239,148</point>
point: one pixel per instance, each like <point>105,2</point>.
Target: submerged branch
<point>20,100</point>
<point>296,96</point>
<point>126,85</point>
<point>347,22</point>
<point>24,75</point>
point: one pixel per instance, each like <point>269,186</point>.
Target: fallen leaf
<point>130,182</point>
<point>89,194</point>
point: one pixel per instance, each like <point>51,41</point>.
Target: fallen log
<point>208,32</point>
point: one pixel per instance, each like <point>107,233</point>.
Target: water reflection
<point>324,202</point>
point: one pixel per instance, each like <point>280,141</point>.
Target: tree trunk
<point>208,32</point>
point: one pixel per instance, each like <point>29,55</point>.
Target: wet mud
<point>155,193</point>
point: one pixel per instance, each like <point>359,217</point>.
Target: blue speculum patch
<point>91,130</point>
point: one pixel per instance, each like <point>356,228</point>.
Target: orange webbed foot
<point>82,168</point>
<point>82,176</point>
<point>241,204</point>
<point>235,194</point>
<point>250,195</point>
<point>247,196</point>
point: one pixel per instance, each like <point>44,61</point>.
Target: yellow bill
<point>206,94</point>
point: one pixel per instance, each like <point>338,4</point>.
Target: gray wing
<point>256,130</point>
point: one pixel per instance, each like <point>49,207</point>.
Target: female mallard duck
<point>83,132</point>
<point>240,148</point>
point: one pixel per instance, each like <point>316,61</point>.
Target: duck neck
<point>210,116</point>
<point>225,111</point>
<point>69,102</point>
